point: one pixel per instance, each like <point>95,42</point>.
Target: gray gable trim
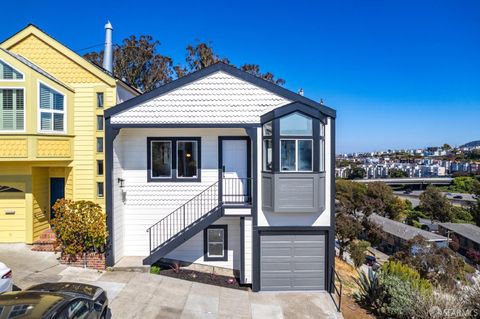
<point>274,88</point>
<point>291,108</point>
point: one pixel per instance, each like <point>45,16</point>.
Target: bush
<point>80,227</point>
<point>406,273</point>
<point>155,269</point>
<point>370,291</point>
<point>358,251</point>
<point>398,297</point>
<point>473,255</point>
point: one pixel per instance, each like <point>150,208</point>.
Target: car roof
<point>38,303</point>
<point>71,288</point>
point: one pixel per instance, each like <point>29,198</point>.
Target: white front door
<point>235,173</point>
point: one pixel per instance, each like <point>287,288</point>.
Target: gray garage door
<point>292,262</point>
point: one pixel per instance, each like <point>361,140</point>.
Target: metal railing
<point>237,190</point>
<point>336,288</point>
<point>183,217</point>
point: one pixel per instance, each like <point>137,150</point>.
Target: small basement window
<point>100,193</point>
<point>216,243</point>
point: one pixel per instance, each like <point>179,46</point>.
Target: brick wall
<point>91,260</point>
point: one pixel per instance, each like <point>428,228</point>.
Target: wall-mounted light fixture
<point>120,181</point>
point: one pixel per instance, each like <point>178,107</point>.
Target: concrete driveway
<point>143,295</point>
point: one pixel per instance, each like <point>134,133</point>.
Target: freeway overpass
<point>409,181</point>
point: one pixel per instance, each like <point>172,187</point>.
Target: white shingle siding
<point>217,98</point>
<point>117,202</point>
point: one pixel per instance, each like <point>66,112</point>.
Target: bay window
<point>173,159</point>
<point>52,110</point>
<point>12,109</point>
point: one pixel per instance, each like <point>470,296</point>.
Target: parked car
<point>6,283</point>
<point>458,197</point>
<point>63,300</point>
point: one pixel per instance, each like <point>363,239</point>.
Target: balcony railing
<point>236,191</point>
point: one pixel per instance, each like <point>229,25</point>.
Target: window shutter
<point>46,99</point>
<point>45,121</point>
<point>19,110</point>
<point>9,73</point>
<point>7,110</point>
<point>57,122</point>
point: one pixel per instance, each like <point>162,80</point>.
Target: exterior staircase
<point>183,223</point>
<point>46,241</point>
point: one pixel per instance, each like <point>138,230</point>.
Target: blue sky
<point>399,73</point>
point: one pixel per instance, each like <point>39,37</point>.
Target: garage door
<point>292,262</point>
<point>12,214</point>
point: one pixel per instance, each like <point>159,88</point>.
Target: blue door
<point>57,191</point>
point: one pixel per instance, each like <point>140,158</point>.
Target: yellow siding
<point>41,201</point>
<point>12,227</point>
<point>13,148</point>
<point>69,183</point>
<point>53,61</point>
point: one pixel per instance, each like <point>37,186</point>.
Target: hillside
<point>471,144</point>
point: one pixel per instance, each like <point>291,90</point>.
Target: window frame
<point>99,138</point>
<point>24,108</point>
<point>52,111</point>
<point>13,80</point>
<point>100,161</point>
<point>174,160</point>
<point>98,188</point>
<point>296,139</point>
<point>103,100</point>
<point>98,117</point>
<point>206,257</point>
<point>319,126</point>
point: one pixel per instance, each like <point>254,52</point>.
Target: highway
<point>413,197</point>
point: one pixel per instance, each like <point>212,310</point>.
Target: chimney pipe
<point>108,52</point>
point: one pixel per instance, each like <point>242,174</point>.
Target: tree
<point>137,62</point>
<point>396,173</point>
<point>435,205</point>
<point>347,230</point>
<point>381,200</point>
<point>202,55</point>
<point>358,251</point>
<point>374,233</point>
<point>351,197</point>
<point>446,147</point>
<point>356,172</point>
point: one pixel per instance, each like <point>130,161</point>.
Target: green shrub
<point>369,293</point>
<point>358,251</point>
<point>155,269</point>
<point>80,227</point>
<point>398,297</point>
<point>407,274</point>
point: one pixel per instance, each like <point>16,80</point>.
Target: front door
<point>57,191</point>
<point>235,171</point>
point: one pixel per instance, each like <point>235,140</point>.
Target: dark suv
<point>63,300</point>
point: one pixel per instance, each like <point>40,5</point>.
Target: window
<point>12,110</point>
<point>267,129</point>
<point>100,144</point>
<point>216,243</point>
<point>99,123</point>
<point>9,73</point>
<point>52,110</point>
<point>296,155</point>
<point>186,159</point>
<point>99,99</point>
<point>100,189</point>
<point>161,159</point>
<point>99,167</point>
<point>296,124</point>
<point>77,309</point>
<point>267,154</point>
<point>173,159</point>
<point>19,311</point>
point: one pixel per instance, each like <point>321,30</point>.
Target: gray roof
<point>36,68</point>
<point>469,231</point>
<point>403,231</point>
<point>428,222</point>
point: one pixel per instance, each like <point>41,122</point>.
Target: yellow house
<point>51,130</point>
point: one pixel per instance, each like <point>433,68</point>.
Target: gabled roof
<point>403,231</point>
<point>219,93</point>
<point>469,231</point>
<point>36,68</point>
<point>34,30</point>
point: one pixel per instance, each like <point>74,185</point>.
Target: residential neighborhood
<point>163,163</point>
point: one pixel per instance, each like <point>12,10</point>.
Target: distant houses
<point>468,235</point>
<point>398,234</point>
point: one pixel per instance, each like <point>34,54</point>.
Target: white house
<point>224,169</point>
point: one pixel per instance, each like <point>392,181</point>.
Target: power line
<point>90,47</point>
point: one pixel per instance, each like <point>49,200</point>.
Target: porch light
<point>188,155</point>
<point>120,181</point>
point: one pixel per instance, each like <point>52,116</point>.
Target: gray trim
<point>188,125</point>
<point>331,233</point>
<point>225,243</point>
<point>293,107</point>
<point>173,178</point>
<point>242,250</point>
<point>110,134</point>
<point>210,70</point>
